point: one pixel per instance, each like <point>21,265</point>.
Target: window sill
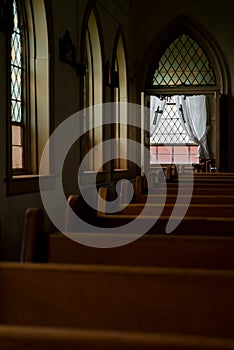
<point>25,184</point>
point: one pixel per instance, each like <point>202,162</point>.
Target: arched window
<point>184,62</point>
<point>93,93</point>
<point>29,94</point>
<point>184,91</point>
<point>120,87</point>
<point>18,89</point>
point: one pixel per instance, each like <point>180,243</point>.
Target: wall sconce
<point>67,51</point>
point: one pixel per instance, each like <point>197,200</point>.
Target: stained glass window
<point>184,63</point>
<point>17,95</point>
<point>16,69</point>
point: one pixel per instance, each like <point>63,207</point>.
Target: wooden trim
<point>24,184</point>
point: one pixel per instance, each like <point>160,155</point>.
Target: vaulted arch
<point>29,107</point>
<point>183,25</point>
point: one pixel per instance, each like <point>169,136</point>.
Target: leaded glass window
<point>184,63</point>
<point>17,93</point>
<point>170,130</point>
<point>170,143</point>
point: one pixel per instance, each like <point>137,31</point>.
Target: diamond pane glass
<point>17,69</point>
<point>170,130</point>
<point>184,63</point>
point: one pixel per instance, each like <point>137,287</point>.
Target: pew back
<point>149,250</point>
<point>177,301</point>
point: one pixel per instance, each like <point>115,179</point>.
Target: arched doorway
<point>182,65</point>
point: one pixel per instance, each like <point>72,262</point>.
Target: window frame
<point>172,145</point>
<point>207,90</point>
<point>25,122</point>
<point>92,28</point>
<point>120,93</point>
<point>38,120</point>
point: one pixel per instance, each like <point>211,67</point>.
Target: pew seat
<point>51,338</point>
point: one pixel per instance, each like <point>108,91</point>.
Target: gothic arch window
<point>93,93</point>
<point>120,93</point>
<point>28,106</point>
<point>184,71</point>
<point>18,91</point>
<point>184,62</point>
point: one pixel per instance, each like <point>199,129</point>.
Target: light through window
<point>17,94</point>
<point>170,142</point>
<point>178,128</point>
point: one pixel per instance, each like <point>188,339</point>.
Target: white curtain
<point>193,116</point>
<point>156,110</point>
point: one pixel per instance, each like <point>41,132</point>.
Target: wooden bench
<point>224,175</point>
<point>34,240</point>
<point>206,210</point>
<point>199,190</point>
<point>149,250</point>
<point>206,195</point>
<point>208,226</point>
<point>208,205</point>
<point>195,199</point>
<point>172,173</point>
<point>207,180</point>
<point>199,219</point>
<point>160,177</point>
<point>162,300</point>
<point>205,187</point>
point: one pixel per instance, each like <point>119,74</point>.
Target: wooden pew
<point>199,187</point>
<point>194,223</point>
<point>208,226</point>
<point>196,199</point>
<point>206,210</point>
<point>209,205</point>
<point>172,173</point>
<point>162,300</point>
<point>149,250</point>
<point>33,238</point>
<point>49,338</point>
<point>198,190</point>
<point>201,194</point>
<point>212,177</point>
<point>203,184</point>
<point>207,179</point>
